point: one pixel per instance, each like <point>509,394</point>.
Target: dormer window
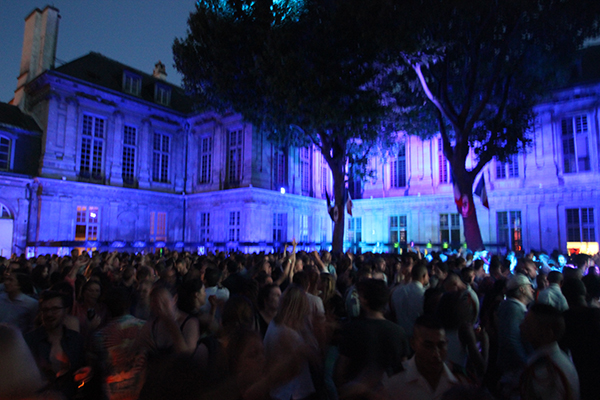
<point>162,94</point>
<point>132,83</point>
<point>4,153</point>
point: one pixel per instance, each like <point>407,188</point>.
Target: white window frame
<point>5,153</point>
<point>279,167</point>
<point>508,169</point>
<point>575,138</point>
<point>206,146</point>
<point>87,222</point>
<point>398,229</point>
<point>305,158</point>
<point>234,226</point>
<point>162,94</point>
<point>510,229</point>
<point>235,156</point>
<point>91,160</point>
<point>161,157</point>
<point>398,170</point>
<point>450,228</point>
<point>279,227</point>
<point>129,150</point>
<point>132,83</point>
<point>204,224</point>
<point>354,229</point>
<point>444,175</point>
<point>580,224</point>
<point>158,226</point>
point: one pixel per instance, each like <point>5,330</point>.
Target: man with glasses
<point>59,352</point>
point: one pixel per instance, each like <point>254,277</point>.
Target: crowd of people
<point>299,325</point>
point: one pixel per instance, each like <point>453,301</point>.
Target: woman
<point>288,335</point>
<point>89,310</point>
<point>268,302</point>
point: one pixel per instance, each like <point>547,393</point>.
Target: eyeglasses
<point>51,310</point>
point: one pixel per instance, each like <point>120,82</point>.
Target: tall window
<point>279,227</point>
<point>205,227</point>
<point>236,146</point>
<point>509,229</point>
<point>580,225</point>
<point>355,229</point>
<point>205,159</point>
<point>92,144</point>
<point>398,229</point>
<point>325,223</point>
<point>508,169</point>
<point>4,153</point>
<point>279,168</point>
<point>87,223</point>
<point>160,158</point>
<point>158,226</point>
<point>129,135</point>
<point>450,228</point>
<point>132,84</point>
<point>304,228</point>
<point>443,163</point>
<point>306,170</point>
<point>576,156</point>
<point>325,173</point>
<point>398,168</point>
<point>234,226</point>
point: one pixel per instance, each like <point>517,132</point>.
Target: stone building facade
<point>95,154</point>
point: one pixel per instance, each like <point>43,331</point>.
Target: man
<point>59,352</point>
<point>512,352</point>
<point>212,277</point>
<point>407,300</point>
<point>552,295</point>
<point>371,346</point>
<point>17,308</point>
<point>550,374</point>
<point>426,376</point>
<point>122,371</point>
<point>528,268</point>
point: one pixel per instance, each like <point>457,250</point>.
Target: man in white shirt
<point>549,374</point>
<point>552,295</point>
<point>426,376</point>
<point>407,300</point>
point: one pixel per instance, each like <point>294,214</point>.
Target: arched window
<point>4,212</point>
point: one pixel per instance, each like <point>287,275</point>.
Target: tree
<point>478,68</point>
<point>303,72</point>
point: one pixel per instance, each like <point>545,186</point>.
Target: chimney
<point>160,71</point>
<point>39,48</point>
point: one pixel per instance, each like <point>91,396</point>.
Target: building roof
<point>12,116</point>
<point>105,72</point>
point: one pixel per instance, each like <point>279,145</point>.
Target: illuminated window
<point>87,223</point>
<point>580,225</point>
<point>160,158</point>
<point>576,156</point>
<point>508,169</point>
<point>306,170</point>
<point>303,229</point>
<point>325,176</point>
<point>204,227</point>
<point>509,229</point>
<point>279,227</point>
<point>158,226</point>
<point>205,159</point>
<point>279,168</point>
<point>4,153</point>
<point>398,229</point>
<point>355,229</point>
<point>234,226</point>
<point>235,156</point>
<point>325,224</point>
<point>129,137</point>
<point>162,94</point>
<point>398,168</point>
<point>450,228</point>
<point>132,83</point>
<point>443,163</point>
<point>92,144</point>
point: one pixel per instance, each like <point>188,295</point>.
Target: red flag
<point>482,192</point>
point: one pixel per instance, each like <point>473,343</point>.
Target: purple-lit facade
<point>125,162</point>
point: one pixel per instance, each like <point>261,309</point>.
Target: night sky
<point>137,33</point>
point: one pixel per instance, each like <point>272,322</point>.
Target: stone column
<point>115,150</point>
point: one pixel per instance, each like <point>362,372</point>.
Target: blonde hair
<point>293,308</point>
<point>328,285</point>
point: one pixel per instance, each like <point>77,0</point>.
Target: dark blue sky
<point>137,33</point>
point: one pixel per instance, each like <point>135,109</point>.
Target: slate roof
<point>105,72</point>
<point>11,115</point>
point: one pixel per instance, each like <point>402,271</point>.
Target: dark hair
<point>117,301</point>
<point>186,294</point>
<point>52,294</point>
<point>375,292</point>
<point>263,295</point>
<point>550,318</point>
<point>418,271</point>
<point>301,279</point>
<point>212,276</point>
<point>24,282</point>
<point>237,314</point>
<point>555,277</point>
<point>428,322</point>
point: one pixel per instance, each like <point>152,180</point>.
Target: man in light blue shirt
<point>552,295</point>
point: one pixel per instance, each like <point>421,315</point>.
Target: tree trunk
<point>465,205</point>
<point>339,189</point>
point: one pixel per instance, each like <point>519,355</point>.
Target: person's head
<point>519,287</point>
<point>301,279</point>
<point>293,308</point>
<point>91,291</point>
<point>13,283</point>
<point>542,281</point>
<point>117,301</point>
<point>191,296</point>
<point>419,274</point>
<point>430,345</point>
<point>237,314</point>
<point>527,267</point>
<point>373,294</point>
<point>453,283</point>
<point>327,286</point>
<point>268,297</point>
<point>543,325</point>
<point>162,300</point>
<point>52,309</point>
<point>456,309</point>
<point>468,275</point>
<point>440,270</point>
<point>575,292</point>
<point>555,277</point>
<point>212,276</point>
